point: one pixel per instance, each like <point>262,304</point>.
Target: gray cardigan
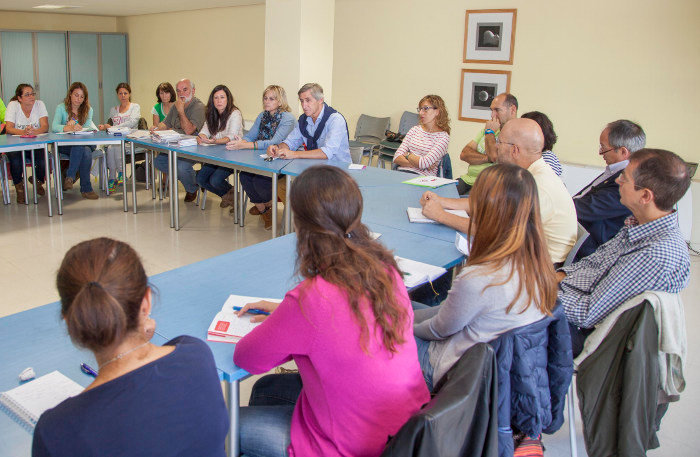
<point>472,313</point>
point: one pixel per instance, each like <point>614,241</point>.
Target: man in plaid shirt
<point>648,253</point>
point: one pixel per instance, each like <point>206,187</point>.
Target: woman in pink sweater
<point>348,327</point>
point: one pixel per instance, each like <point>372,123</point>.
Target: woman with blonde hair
<point>271,127</point>
<point>75,114</point>
<point>508,280</point>
<point>425,144</point>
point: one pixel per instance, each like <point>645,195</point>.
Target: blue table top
<point>37,338</point>
<point>181,309</point>
<point>387,206</point>
<point>297,166</point>
<point>375,177</point>
<point>96,137</point>
<point>12,143</point>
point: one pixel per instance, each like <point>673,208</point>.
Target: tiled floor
<point>32,246</point>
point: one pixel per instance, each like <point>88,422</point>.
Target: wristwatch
<point>489,131</point>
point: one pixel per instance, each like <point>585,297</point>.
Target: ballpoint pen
<point>85,368</point>
<point>252,311</point>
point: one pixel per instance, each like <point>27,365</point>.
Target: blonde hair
<point>280,95</point>
<point>443,120</point>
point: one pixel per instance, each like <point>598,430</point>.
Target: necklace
<point>119,356</point>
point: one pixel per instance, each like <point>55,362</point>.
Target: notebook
<point>26,403</point>
<point>227,327</point>
<point>416,273</point>
<point>416,215</point>
<point>429,181</point>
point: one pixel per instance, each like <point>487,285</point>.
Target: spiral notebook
<point>26,403</point>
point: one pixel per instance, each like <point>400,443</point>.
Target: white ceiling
<point>120,7</point>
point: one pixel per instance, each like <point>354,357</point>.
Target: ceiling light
<point>54,7</point>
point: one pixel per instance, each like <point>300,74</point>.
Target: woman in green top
<point>166,97</point>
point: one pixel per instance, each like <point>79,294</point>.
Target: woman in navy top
<point>146,400</point>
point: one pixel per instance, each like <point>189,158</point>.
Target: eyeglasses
<point>30,94</point>
<point>269,99</point>
<point>498,141</point>
<point>601,152</point>
<point>425,109</point>
<point>622,179</point>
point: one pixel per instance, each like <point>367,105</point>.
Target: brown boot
<point>68,184</point>
<point>19,190</point>
<point>39,186</point>
<point>89,195</point>
<point>267,218</point>
<point>190,197</point>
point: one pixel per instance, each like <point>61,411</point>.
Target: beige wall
<point>212,46</point>
<point>57,22</point>
<point>582,63</point>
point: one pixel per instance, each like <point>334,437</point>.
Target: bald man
<point>188,118</point>
<point>520,143</point>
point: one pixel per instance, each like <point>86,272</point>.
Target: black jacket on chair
<point>461,419</point>
<point>617,387</point>
<point>601,214</point>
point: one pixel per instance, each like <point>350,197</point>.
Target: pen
<point>85,368</point>
<point>252,311</point>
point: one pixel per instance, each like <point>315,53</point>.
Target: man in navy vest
<point>598,206</point>
<point>322,131</point>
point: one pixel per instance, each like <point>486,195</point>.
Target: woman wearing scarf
<point>271,127</point>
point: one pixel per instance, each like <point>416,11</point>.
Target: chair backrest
<point>445,168</point>
<point>580,239</point>
<point>356,154</point>
<point>371,129</point>
<point>408,120</point>
<point>461,419</point>
<point>143,124</point>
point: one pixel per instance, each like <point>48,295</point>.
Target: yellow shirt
<point>557,209</point>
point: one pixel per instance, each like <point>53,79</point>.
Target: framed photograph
<point>489,36</point>
<point>478,88</point>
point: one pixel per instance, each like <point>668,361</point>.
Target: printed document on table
<point>416,215</point>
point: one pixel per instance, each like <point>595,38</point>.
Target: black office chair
<point>462,417</point>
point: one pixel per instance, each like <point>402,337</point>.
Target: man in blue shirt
<point>321,130</point>
<point>648,253</point>
<point>598,206</point>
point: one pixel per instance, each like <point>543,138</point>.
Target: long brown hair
<point>101,283</point>
<point>18,91</point>
<point>84,108</point>
<point>333,243</point>
<point>507,230</point>
<point>443,120</point>
<point>217,122</point>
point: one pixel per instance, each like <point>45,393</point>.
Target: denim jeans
<point>185,172</point>
<point>79,159</point>
<point>17,167</point>
<point>213,179</point>
<point>258,188</point>
<point>266,422</point>
<point>423,353</point>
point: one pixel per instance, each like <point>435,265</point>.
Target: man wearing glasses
<point>598,206</point>
<point>480,153</point>
<point>647,254</point>
<point>520,143</point>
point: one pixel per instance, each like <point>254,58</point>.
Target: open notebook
<point>416,215</point>
<point>416,273</point>
<point>227,327</point>
<point>27,402</point>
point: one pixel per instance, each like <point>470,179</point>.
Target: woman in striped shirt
<point>425,144</point>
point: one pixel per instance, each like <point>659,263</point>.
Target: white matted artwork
<point>478,88</point>
<point>489,36</point>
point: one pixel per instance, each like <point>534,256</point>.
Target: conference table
<point>262,270</point>
<point>50,142</point>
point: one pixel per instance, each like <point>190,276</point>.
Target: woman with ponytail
<point>145,399</point>
<point>347,326</point>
